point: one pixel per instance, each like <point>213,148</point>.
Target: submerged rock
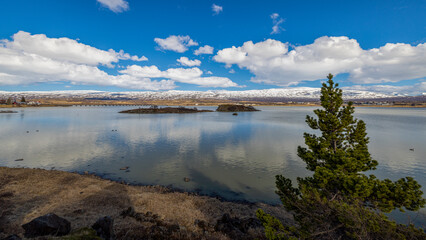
<point>235,108</point>
<point>49,224</point>
<point>8,111</point>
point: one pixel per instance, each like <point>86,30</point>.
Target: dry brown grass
<point>28,193</point>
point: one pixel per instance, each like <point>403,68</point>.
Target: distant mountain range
<point>265,94</point>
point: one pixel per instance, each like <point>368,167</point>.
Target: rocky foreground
<point>97,207</point>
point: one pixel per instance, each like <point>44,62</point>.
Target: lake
<point>235,157</point>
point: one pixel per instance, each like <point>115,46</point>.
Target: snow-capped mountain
<point>288,93</point>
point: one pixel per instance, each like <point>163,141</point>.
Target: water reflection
<point>235,157</point>
<point>50,143</point>
<point>221,154</point>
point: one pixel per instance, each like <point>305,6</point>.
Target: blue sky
<point>65,45</point>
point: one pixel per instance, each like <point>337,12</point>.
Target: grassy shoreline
<point>28,193</point>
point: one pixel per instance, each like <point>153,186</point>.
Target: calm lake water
<point>235,157</point>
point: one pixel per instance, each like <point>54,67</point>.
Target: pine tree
<point>9,101</point>
<point>339,195</point>
<point>23,99</point>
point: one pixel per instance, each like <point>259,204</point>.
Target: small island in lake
<point>155,109</point>
<point>235,108</point>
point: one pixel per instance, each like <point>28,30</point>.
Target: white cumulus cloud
<point>183,75</point>
<point>178,44</point>
<point>204,50</point>
<point>184,61</point>
<point>116,6</point>
<point>65,49</point>
<point>30,59</point>
<point>216,9</point>
<point>271,61</point>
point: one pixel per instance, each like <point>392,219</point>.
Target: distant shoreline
<point>201,104</point>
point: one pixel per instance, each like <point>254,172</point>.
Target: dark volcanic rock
<point>49,224</point>
<point>235,108</point>
<point>201,224</point>
<point>236,228</point>
<point>156,110</point>
<point>12,237</point>
<point>104,228</point>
